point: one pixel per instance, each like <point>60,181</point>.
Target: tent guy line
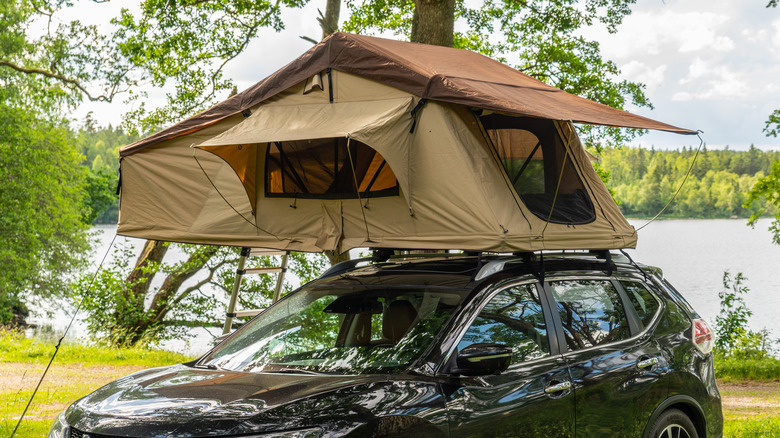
<point>65,333</point>
<point>690,168</point>
<point>194,150</point>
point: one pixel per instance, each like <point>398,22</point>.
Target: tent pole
<point>280,277</point>
<point>231,311</point>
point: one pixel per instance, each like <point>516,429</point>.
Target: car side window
<point>642,300</point>
<point>513,318</point>
<point>591,312</point>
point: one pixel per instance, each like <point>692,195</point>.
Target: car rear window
<point>642,300</point>
<point>591,312</point>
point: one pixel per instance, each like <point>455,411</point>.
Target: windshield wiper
<point>208,367</point>
<point>295,371</point>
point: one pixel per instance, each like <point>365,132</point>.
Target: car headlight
<point>59,428</point>
<point>314,432</point>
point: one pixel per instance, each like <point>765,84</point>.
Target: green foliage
<point>43,237</point>
<point>540,38</point>
<point>188,43</point>
<point>766,189</point>
<point>737,369</point>
<point>128,309</point>
<point>101,198</point>
<point>643,181</point>
<point>733,338</point>
<point>67,63</point>
<point>100,147</point>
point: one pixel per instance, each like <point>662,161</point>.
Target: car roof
<point>466,270</point>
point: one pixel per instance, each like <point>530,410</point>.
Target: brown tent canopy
<point>430,72</point>
<point>366,142</point>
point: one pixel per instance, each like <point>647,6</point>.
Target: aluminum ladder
<point>240,272</point>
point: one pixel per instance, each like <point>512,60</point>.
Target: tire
<point>673,423</point>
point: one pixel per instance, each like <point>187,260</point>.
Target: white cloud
<point>665,30</point>
<point>776,35</point>
<point>638,71</point>
<point>711,82</point>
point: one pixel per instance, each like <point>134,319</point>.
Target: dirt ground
<point>750,399</point>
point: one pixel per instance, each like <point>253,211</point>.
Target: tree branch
<point>57,76</point>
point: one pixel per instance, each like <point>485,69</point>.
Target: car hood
<point>179,401</point>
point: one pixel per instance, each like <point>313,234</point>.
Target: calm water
<point>692,253</point>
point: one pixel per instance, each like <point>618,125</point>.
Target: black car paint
<point>608,391</point>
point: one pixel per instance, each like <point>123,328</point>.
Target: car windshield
<point>338,331</point>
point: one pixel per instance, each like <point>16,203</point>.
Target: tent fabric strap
<point>526,163</point>
<point>558,186</point>
<point>357,190</point>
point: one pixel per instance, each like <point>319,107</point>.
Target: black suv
<point>528,345</point>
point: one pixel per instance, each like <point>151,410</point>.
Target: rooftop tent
<point>366,142</point>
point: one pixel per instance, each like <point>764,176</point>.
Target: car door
<point>613,361</point>
<point>533,397</point>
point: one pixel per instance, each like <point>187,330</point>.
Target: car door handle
<point>647,363</point>
<point>558,387</point>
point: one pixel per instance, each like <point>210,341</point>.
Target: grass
<point>735,370</point>
<point>750,388</point>
<point>762,427</point>
<point>77,371</point>
<point>15,348</point>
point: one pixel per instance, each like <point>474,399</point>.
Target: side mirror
<point>483,359</point>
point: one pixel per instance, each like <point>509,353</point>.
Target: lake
<point>693,255</point>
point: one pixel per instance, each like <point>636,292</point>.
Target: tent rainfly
<point>368,142</point>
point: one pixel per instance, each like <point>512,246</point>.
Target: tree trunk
<point>433,22</point>
<point>140,278</point>
<point>334,257</point>
<point>330,21</point>
<point>161,303</point>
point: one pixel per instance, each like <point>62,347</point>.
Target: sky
<point>708,65</point>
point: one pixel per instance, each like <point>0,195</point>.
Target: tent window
<point>535,159</point>
<point>321,168</point>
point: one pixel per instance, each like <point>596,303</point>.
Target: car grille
<point>79,434</point>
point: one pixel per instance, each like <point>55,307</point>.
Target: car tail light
<point>702,336</point>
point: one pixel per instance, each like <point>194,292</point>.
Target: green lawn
<point>77,371</point>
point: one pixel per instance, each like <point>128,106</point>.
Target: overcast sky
<point>711,65</point>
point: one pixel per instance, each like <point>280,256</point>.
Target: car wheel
<point>673,424</point>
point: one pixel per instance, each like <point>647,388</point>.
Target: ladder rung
<point>263,270</point>
<point>257,252</point>
<point>252,312</point>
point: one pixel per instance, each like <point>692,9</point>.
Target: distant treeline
<point>100,148</point>
<point>643,180</point>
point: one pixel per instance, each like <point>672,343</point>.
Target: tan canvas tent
<point>367,142</point>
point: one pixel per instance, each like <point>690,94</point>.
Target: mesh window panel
<point>321,168</point>
<point>535,159</point>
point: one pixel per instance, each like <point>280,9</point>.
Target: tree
<point>767,188</point>
<point>43,235</point>
<point>154,300</point>
<point>187,44</point>
<point>42,76</point>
